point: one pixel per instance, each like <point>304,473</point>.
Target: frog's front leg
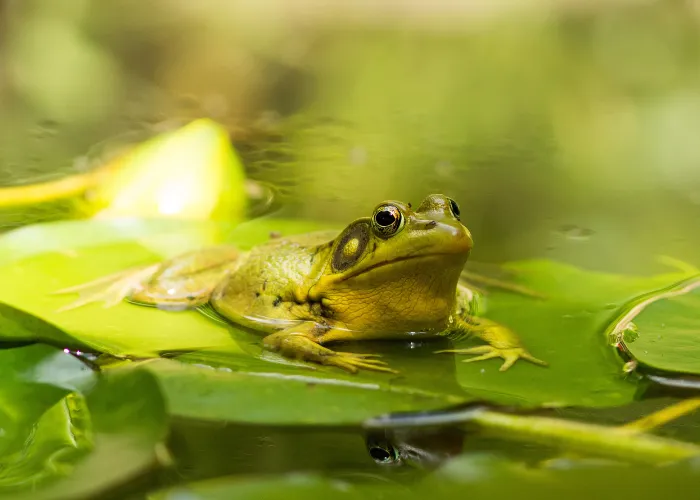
<point>303,342</point>
<point>502,342</point>
<point>183,282</point>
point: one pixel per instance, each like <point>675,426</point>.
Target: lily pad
<point>129,424</point>
<point>661,330</point>
<point>190,173</point>
<point>71,257</point>
<point>67,433</point>
<point>43,427</point>
<point>567,329</point>
<point>240,388</point>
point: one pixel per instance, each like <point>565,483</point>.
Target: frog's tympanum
<point>393,275</point>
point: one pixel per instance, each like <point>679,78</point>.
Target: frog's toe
<point>509,355</point>
<point>483,357</point>
<point>482,349</point>
<point>354,362</point>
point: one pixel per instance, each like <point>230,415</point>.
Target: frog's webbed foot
<point>502,342</point>
<point>110,290</point>
<point>300,343</point>
<point>183,282</point>
<point>510,355</point>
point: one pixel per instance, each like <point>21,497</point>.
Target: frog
<point>393,275</point>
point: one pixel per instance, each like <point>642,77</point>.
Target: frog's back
<point>260,293</point>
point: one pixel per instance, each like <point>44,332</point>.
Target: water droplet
<point>444,168</point>
<point>201,365</point>
<point>188,101</point>
<point>268,120</point>
<point>358,155</point>
<point>216,105</point>
<point>44,128</point>
<point>574,232</point>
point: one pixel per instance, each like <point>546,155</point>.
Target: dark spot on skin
<point>264,285</point>
<point>277,301</point>
<point>431,224</point>
<point>320,328</point>
<point>275,235</point>
<point>374,247</point>
<point>257,294</point>
<point>409,204</point>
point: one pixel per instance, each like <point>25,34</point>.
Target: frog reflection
<point>422,448</point>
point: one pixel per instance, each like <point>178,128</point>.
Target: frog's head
<point>399,266</point>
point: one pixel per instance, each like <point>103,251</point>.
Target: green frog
<point>393,275</point>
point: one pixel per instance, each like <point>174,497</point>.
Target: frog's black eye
<point>454,208</point>
<point>387,220</point>
<point>383,453</point>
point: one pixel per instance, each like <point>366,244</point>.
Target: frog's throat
<point>327,282</point>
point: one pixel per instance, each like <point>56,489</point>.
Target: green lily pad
<point>567,329</point>
<point>43,426</point>
<point>79,252</point>
<point>66,432</point>
<point>661,330</point>
<point>56,441</point>
<point>221,386</point>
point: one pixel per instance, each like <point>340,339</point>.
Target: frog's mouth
<point>398,260</point>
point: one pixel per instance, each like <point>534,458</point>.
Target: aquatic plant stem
<point>663,416</point>
<point>618,443</point>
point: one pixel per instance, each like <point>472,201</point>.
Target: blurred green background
<point>565,130</point>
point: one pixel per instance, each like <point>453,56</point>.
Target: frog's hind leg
<point>183,282</point>
<point>303,342</point>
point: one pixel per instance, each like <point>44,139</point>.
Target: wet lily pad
<point>227,387</point>
<point>68,433</point>
<point>189,173</point>
<point>566,328</point>
<point>44,428</point>
<point>129,422</point>
<point>79,252</point>
<point>661,329</point>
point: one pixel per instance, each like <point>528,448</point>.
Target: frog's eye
<point>454,208</point>
<point>384,453</point>
<point>387,220</point>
